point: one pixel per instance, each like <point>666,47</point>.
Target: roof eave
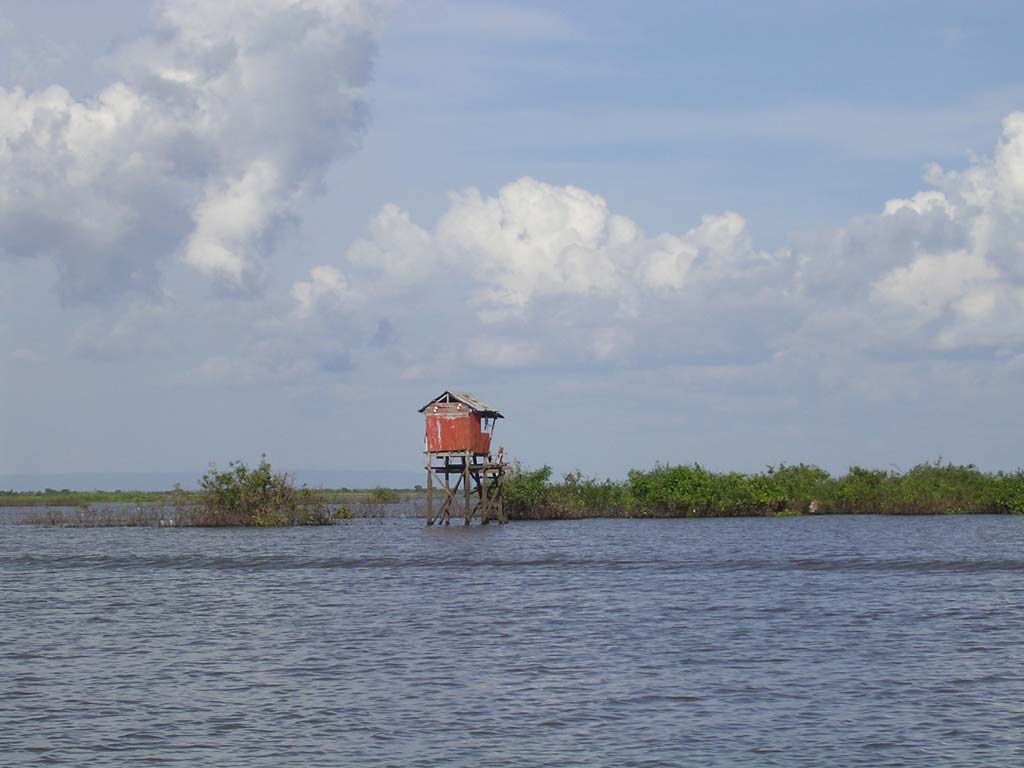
<point>471,401</point>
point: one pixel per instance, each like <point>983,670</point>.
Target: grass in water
<point>237,496</point>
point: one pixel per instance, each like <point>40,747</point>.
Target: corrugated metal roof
<point>467,398</point>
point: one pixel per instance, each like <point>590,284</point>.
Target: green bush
<point>580,494</point>
<point>384,496</point>
<point>693,491</point>
<point>802,488</point>
<point>1008,493</point>
<point>239,496</point>
<point>527,493</point>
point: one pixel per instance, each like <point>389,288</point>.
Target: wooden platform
<point>480,481</point>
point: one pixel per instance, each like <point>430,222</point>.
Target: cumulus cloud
<point>540,275</point>
<point>216,127</point>
<point>930,283</point>
<point>397,250</point>
<point>534,241</point>
<point>546,275</point>
<point>941,270</point>
<point>325,283</point>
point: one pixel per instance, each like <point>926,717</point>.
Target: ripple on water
<point>808,641</point>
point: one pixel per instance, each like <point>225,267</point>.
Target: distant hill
<point>164,481</point>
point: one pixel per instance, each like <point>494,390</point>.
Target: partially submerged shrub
<point>384,496</point>
<point>693,491</point>
<point>527,493</point>
<point>253,497</point>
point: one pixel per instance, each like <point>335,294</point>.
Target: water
<point>798,642</point>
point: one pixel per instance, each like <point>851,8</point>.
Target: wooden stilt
<point>502,517</point>
<point>430,493</point>
<point>448,492</point>
<point>485,501</point>
<point>478,480</point>
<point>468,490</point>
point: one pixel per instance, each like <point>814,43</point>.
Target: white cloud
<point>535,240</point>
<point>230,220</point>
<point>993,185</point>
<point>921,203</point>
<point>555,278</point>
<point>218,126</point>
<point>929,284</point>
<point>532,239</point>
<point>988,315</point>
<point>325,284</point>
<point>959,270</point>
<point>396,247</point>
<point>494,351</point>
<point>609,343</point>
<point>541,275</point>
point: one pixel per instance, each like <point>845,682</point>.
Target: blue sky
<point>729,233</point>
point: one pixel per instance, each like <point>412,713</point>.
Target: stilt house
<point>459,422</point>
<point>457,444</point>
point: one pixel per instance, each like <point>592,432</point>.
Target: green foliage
<point>693,491</point>
<point>799,486</point>
<point>342,512</point>
<point>240,496</point>
<point>384,496</point>
<point>783,491</point>
<point>579,494</point>
<point>860,491</point>
<point>67,498</point>
<point>530,495</point>
<point>1008,493</point>
<point>252,497</point>
<point>786,513</point>
<point>527,493</point>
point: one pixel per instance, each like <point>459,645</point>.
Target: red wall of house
<point>456,432</point>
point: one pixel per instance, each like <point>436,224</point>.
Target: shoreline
<point>680,491</point>
<point>69,498</point>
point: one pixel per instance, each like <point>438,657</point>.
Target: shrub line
<point>783,491</point>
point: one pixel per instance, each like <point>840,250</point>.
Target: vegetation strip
<point>783,491</point>
<point>240,496</point>
<point>237,496</point>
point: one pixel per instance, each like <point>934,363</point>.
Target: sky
<point>729,233</point>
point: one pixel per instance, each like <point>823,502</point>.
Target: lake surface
<point>838,641</point>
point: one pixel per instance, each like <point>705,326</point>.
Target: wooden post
<point>430,489</point>
<point>502,517</point>
<point>447,493</point>
<point>468,489</point>
<point>485,500</point>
